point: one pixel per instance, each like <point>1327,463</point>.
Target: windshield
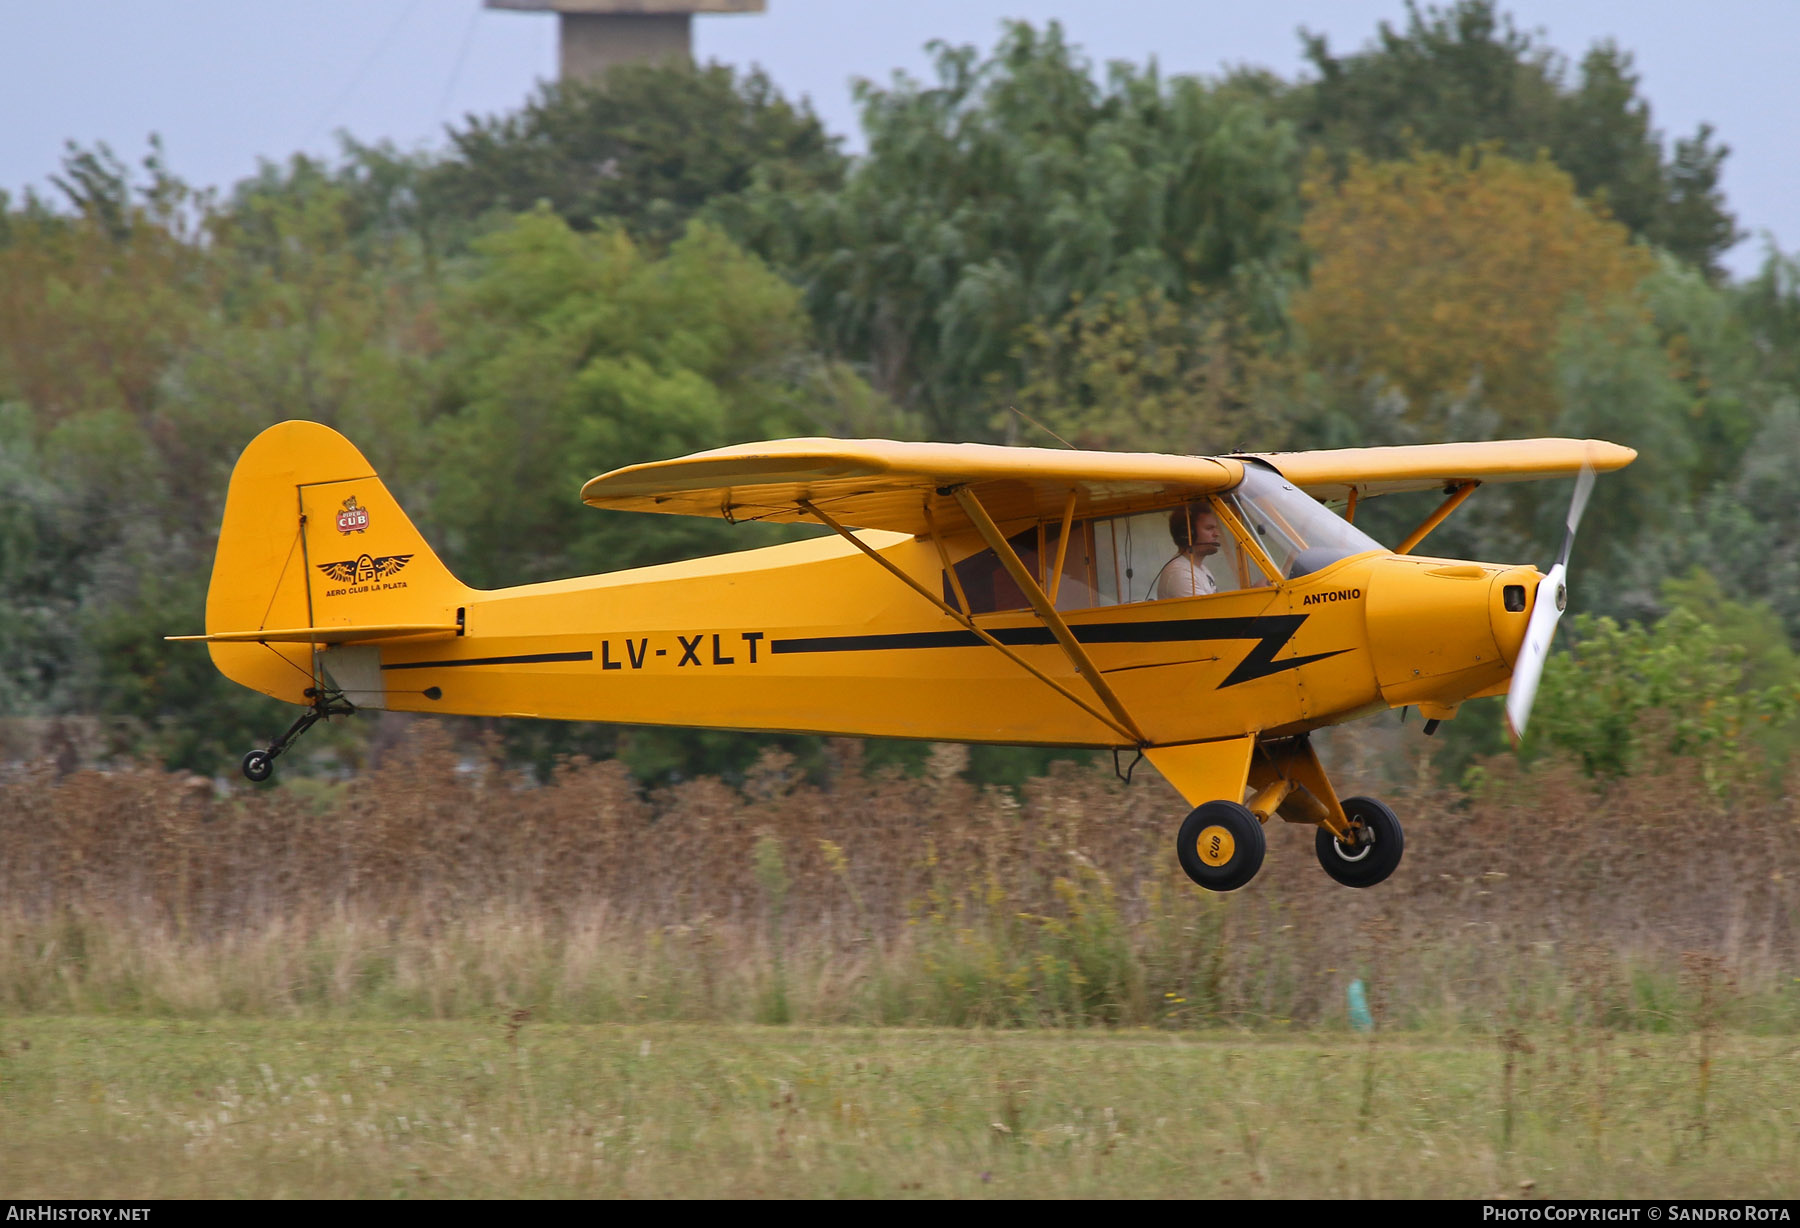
<point>1300,534</point>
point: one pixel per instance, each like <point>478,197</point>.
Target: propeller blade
<point>1584,486</point>
<point>1546,611</point>
<point>1552,596</point>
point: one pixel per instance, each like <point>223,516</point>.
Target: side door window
<point>1187,551</point>
<point>986,582</point>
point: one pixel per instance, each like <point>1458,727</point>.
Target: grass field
<point>445,980</point>
<point>93,1107</point>
<point>427,891</point>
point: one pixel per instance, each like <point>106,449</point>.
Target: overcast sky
<point>229,82</point>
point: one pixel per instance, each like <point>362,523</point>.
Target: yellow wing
<point>1432,466</point>
<point>881,484</point>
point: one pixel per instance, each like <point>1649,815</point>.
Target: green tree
<point>97,564</point>
<point>1141,373</point>
<point>1438,272</point>
<point>1624,693</point>
<point>570,354</point>
<point>1713,357</point>
<point>1716,454</point>
<point>488,389</point>
<point>43,568</point>
<point>379,194</point>
<point>1615,381</point>
<point>1769,304</point>
<point>994,197</point>
<point>1464,75</point>
<point>1746,530</point>
<point>320,314</point>
<point>643,147</point>
<point>94,302</point>
<point>146,334</point>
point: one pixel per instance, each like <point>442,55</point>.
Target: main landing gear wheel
<point>258,765</point>
<point>1221,845</point>
<point>1376,854</point>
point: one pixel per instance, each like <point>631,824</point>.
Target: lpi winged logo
<point>365,570</point>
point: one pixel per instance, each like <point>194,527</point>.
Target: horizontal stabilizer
<point>327,635</point>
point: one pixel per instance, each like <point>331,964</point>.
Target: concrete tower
<point>596,34</point>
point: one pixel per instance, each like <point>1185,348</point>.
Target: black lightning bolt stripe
<point>529,659</point>
<point>1271,631</point>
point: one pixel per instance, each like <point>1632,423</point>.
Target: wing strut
<point>962,598</point>
<point>1457,493</point>
<point>1028,584</point>
<point>1062,547</point>
<point>1124,730</point>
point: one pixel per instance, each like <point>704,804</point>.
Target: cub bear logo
<point>352,518</point>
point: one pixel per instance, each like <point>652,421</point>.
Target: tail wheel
<point>1376,853</point>
<point>1221,845</point>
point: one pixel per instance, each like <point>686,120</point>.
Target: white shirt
<point>1183,577</point>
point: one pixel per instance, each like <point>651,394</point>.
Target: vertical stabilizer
<point>312,538</point>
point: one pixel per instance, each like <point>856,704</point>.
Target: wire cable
<point>356,79</point>
<point>462,54</point>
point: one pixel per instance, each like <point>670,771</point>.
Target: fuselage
<point>814,637</point>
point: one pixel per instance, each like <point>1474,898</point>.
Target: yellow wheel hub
<point>1215,845</point>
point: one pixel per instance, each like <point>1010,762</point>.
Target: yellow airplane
<point>1205,612</point>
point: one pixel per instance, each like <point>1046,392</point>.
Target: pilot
<point>1196,533</point>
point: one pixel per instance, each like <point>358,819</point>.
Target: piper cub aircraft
<point>1207,612</point>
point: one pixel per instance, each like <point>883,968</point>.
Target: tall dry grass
<point>446,887</point>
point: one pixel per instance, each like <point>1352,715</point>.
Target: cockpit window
<point>1299,535</point>
<point>1184,551</point>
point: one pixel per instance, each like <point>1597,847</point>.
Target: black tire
<point>1369,863</point>
<point>259,765</point>
<point>1221,845</point>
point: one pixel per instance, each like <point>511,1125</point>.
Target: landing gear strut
<point>259,765</point>
<point>1221,844</point>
